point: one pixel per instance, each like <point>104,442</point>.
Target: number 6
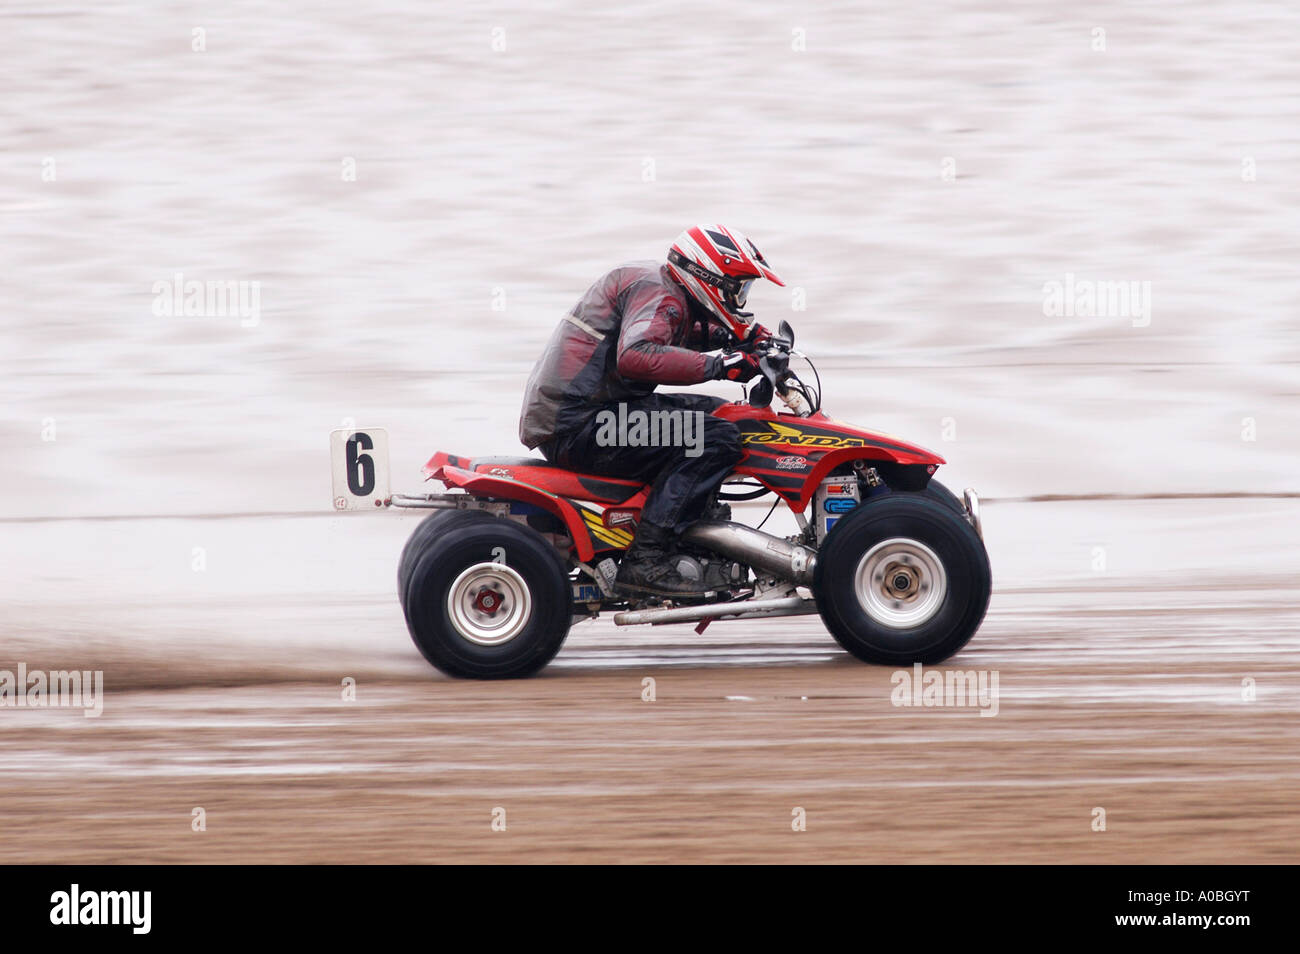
<point>360,467</point>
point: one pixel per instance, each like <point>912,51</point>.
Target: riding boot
<point>647,566</point>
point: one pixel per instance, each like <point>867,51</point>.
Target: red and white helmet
<point>717,266</point>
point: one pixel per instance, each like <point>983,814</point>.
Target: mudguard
<point>585,526</point>
<point>791,454</point>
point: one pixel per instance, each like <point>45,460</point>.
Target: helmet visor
<point>741,293</point>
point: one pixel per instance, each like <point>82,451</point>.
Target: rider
<point>639,326</point>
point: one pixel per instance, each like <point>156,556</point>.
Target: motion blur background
<point>421,190</point>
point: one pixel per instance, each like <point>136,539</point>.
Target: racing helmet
<point>717,266</point>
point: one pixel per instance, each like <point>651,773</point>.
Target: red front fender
<point>792,454</point>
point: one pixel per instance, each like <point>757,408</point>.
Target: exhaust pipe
<point>744,609</point>
<point>754,548</point>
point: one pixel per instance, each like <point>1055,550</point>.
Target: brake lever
<point>772,345</point>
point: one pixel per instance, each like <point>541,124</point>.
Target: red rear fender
<point>585,526</point>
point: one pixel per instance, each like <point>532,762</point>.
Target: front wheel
<point>484,598</point>
<point>902,579</point>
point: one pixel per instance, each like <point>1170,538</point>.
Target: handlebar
<point>774,364</point>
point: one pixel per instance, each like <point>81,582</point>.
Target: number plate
<point>359,465</point>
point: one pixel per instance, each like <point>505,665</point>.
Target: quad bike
<point>893,562</point>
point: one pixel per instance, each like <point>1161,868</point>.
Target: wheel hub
<point>489,604</point>
<point>901,583</point>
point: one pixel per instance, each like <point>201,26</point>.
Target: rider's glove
<point>758,340</point>
<point>733,366</point>
<point>719,338</point>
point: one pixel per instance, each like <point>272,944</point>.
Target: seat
<point>559,480</point>
<point>512,462</point>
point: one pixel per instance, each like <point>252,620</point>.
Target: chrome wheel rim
<point>901,583</point>
<point>489,604</point>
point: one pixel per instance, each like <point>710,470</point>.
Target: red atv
<point>894,562</point>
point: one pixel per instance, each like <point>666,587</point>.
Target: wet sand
<point>1120,690</point>
<point>712,770</point>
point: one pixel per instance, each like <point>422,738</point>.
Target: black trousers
<point>684,474</point>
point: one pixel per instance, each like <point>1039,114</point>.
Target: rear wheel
<point>484,597</point>
<point>902,579</point>
<point>440,521</point>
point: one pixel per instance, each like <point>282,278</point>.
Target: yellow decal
<point>615,538</point>
<point>794,437</point>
